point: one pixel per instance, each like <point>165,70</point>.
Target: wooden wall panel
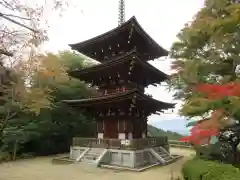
<point>111,128</point>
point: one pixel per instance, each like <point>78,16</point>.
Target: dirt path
<point>43,169</point>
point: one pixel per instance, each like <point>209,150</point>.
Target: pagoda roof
<point>149,70</point>
<point>151,49</point>
<point>118,97</point>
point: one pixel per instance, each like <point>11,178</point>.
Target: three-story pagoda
<point>121,108</point>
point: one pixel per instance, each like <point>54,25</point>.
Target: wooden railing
<point>175,143</point>
<point>133,144</point>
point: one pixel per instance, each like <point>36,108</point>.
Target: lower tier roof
<point>144,101</point>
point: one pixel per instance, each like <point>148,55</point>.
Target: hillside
<point>153,131</point>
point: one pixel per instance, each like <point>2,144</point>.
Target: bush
<point>4,156</point>
<point>199,169</point>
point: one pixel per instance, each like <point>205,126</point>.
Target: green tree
<point>24,27</point>
<point>207,51</point>
<point>51,131</point>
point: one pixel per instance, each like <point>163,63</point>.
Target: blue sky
<point>161,19</point>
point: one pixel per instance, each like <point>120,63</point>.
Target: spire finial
<point>121,12</point>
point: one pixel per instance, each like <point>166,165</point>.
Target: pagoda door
<point>111,129</point>
<point>137,133</point>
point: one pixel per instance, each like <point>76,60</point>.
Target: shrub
<point>199,169</point>
<point>4,156</point>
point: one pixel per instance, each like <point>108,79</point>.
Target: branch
<point>5,121</point>
<point>7,5</point>
<point>6,53</point>
<point>11,15</point>
<point>16,22</point>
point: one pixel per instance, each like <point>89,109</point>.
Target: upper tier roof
<point>129,35</point>
<point>144,70</point>
<point>147,101</point>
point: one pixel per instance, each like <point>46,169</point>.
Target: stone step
<point>97,150</point>
<point>164,155</point>
<point>168,158</point>
<point>161,152</point>
<point>90,157</point>
<point>93,153</point>
<point>89,161</point>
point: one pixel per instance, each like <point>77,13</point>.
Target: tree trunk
<point>15,148</point>
<point>234,154</point>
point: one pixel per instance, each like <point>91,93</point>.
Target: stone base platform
<point>133,160</point>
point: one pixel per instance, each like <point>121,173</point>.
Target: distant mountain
<point>153,131</point>
<point>173,125</point>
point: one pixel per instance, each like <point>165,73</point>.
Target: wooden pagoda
<point>121,108</point>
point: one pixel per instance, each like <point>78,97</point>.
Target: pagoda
<point>121,107</point>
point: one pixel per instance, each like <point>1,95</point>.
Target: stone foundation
<point>131,159</point>
<point>122,158</point>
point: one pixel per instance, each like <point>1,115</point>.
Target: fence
<point>174,143</point>
<point>133,144</point>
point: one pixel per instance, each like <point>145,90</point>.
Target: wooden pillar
<point>144,127</point>
<point>121,128</point>
<point>129,128</point>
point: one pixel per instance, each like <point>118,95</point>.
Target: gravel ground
<point>42,169</point>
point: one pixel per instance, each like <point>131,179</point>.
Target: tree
<point>52,130</point>
<point>207,52</point>
<point>30,92</point>
<point>25,24</point>
<point>23,30</point>
<point>206,55</point>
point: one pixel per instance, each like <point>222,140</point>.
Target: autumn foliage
<point>205,77</point>
<point>200,136</point>
<point>206,128</point>
<point>217,91</point>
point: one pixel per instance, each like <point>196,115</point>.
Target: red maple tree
<point>205,129</point>
<point>218,91</point>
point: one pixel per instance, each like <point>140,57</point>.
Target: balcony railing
<point>133,144</point>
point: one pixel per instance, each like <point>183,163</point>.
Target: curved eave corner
<point>165,78</point>
<point>165,52</point>
<point>172,105</point>
<point>167,105</point>
<point>144,33</point>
